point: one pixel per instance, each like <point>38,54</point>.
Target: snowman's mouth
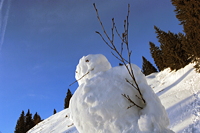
<point>85,74</point>
<point>82,76</point>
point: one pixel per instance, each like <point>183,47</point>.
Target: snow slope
<point>57,123</point>
<point>178,91</point>
<point>180,94</point>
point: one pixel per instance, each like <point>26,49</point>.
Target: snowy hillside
<point>57,123</point>
<point>178,92</point>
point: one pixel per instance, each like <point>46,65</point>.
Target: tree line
<point>26,122</point>
<point>176,50</point>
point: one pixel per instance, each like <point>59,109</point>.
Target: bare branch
<point>101,23</point>
<point>121,37</point>
<point>124,61</point>
<point>138,97</point>
<point>128,98</point>
<point>113,25</point>
<point>119,53</point>
<point>71,125</point>
<point>122,45</point>
<point>81,77</point>
<point>131,84</point>
<point>105,40</point>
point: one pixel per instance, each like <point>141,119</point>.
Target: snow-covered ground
<point>57,123</point>
<point>179,92</point>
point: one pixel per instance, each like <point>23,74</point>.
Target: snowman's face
<point>90,65</point>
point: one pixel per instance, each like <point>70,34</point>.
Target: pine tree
<point>54,111</point>
<point>29,123</point>
<point>20,127</point>
<point>147,67</point>
<point>67,99</point>
<point>26,122</point>
<point>157,55</point>
<point>36,119</point>
<point>188,13</point>
<point>174,55</point>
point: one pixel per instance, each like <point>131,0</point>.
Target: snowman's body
<point>98,106</point>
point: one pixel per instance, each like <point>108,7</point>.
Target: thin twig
<point>112,29</point>
<point>71,125</point>
<point>138,97</point>
<point>81,77</point>
<point>118,55</point>
<point>134,104</point>
<point>124,61</point>
<point>104,40</point>
<point>101,23</point>
<point>131,84</point>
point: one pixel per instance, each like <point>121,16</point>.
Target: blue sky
<point>44,40</point>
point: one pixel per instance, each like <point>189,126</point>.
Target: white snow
<point>89,66</point>
<point>97,107</point>
<point>179,93</point>
<point>57,123</point>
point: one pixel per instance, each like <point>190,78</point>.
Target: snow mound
<point>57,123</point>
<point>98,105</point>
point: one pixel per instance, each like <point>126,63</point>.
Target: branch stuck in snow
<point>81,77</point>
<point>131,101</point>
<point>119,53</point>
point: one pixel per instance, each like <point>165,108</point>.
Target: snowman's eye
<point>86,60</point>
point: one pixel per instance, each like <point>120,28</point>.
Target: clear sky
<point>41,42</point>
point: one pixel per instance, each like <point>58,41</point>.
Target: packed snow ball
<point>89,66</point>
<point>98,106</point>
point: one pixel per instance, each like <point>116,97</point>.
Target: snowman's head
<point>89,66</point>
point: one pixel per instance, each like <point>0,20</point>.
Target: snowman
<point>98,105</point>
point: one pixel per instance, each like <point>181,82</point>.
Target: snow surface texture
<point>57,123</point>
<point>98,106</point>
<point>89,66</point>
<point>179,92</point>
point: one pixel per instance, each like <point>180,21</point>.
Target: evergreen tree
<point>26,122</point>
<point>188,13</point>
<point>36,119</point>
<point>54,111</point>
<point>157,55</point>
<point>29,123</point>
<point>67,99</point>
<point>20,127</point>
<point>147,67</point>
<point>174,55</point>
